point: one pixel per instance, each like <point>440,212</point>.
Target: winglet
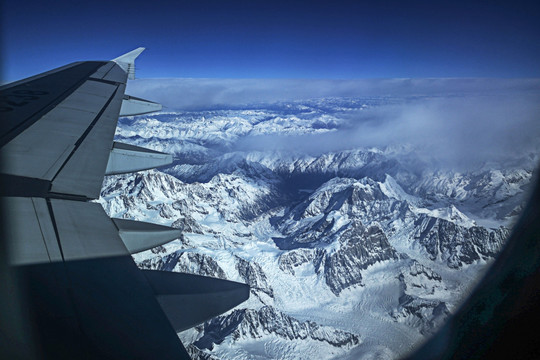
<point>127,62</point>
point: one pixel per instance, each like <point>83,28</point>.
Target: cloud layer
<point>459,132</point>
<point>200,94</point>
<point>460,122</point>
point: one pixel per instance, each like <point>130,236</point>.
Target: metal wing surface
<point>83,295</point>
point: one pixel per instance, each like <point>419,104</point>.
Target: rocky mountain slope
<point>349,253</point>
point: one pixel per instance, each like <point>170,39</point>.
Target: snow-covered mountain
<point>349,252</point>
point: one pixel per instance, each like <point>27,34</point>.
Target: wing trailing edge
<point>189,300</point>
<point>132,105</point>
<point>126,158</point>
<point>140,236</point>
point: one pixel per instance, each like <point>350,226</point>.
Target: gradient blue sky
<point>277,39</point>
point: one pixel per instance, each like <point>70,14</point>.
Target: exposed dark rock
<point>254,276</point>
<point>426,315</point>
<point>359,249</point>
<point>196,354</point>
<point>186,262</point>
<point>455,244</point>
<point>249,323</point>
<point>292,259</point>
<point>188,225</point>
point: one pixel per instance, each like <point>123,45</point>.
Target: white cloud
<point>458,121</point>
<point>196,94</point>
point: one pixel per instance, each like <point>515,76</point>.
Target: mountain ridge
<point>365,243</point>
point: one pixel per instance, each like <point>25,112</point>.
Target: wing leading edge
<point>83,294</point>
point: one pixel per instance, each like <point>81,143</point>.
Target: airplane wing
<point>81,294</point>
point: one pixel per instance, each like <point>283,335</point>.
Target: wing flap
<point>46,227</point>
<point>132,105</point>
<point>140,236</point>
<point>118,312</point>
<point>29,219</point>
<point>85,231</point>
<point>125,158</point>
<point>93,303</point>
<point>189,299</point>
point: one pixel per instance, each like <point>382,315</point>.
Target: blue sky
<point>277,39</point>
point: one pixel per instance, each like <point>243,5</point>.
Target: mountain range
<point>350,251</point>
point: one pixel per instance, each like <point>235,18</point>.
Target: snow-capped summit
<point>349,251</point>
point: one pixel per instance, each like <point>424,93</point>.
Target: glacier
<point>350,251</point>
